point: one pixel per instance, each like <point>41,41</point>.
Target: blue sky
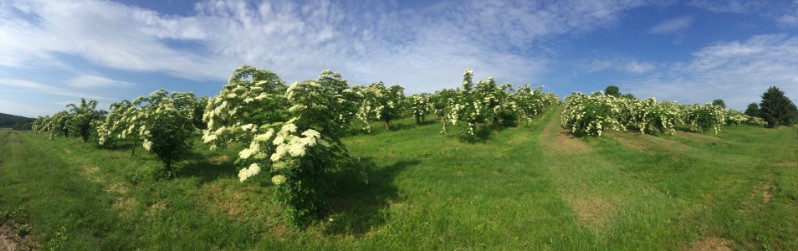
<point>54,52</point>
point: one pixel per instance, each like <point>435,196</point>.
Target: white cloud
<point>784,12</point>
<point>790,18</point>
<point>625,64</point>
<point>737,72</point>
<point>417,46</point>
<point>731,6</point>
<point>639,67</point>
<point>38,88</point>
<point>672,25</point>
<point>106,33</point>
<point>88,81</point>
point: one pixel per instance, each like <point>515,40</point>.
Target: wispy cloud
<point>369,42</point>
<point>624,64</point>
<point>737,71</point>
<point>87,81</point>
<point>38,88</point>
<point>672,25</point>
<point>784,12</point>
<point>732,6</point>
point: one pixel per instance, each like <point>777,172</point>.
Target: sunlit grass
<point>523,188</point>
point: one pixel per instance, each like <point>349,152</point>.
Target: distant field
<point>531,187</point>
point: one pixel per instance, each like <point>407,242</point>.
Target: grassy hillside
<point>531,187</point>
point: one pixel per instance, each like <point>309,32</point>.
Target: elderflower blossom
<point>278,179</point>
<point>288,128</point>
<point>208,138</point>
<point>248,127</point>
<point>147,144</point>
<point>296,150</point>
<point>279,139</point>
<point>297,108</point>
<point>250,171</point>
<point>254,147</point>
<point>265,136</point>
<point>279,152</point>
<point>311,133</point>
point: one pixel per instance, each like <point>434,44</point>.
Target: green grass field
<point>531,187</point>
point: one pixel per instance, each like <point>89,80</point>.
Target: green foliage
<point>23,125</point>
<point>612,91</point>
<point>199,110</point>
<point>719,102</point>
<point>81,118</point>
<point>594,114</point>
<point>702,118</point>
<point>776,108</point>
<point>752,110</point>
<point>60,124</point>
<point>118,123</point>
<point>530,102</point>
<point>251,98</point>
<point>380,103</point>
<point>488,104</point>
<point>420,106</point>
<point>443,102</point>
<point>590,115</point>
<point>166,123</point>
<point>734,117</point>
<point>300,153</point>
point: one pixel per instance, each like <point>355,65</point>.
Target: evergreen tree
<point>776,108</point>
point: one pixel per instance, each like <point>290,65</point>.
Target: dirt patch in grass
<point>711,243</point>
<point>217,195</point>
<point>11,239</point>
<point>116,187</point>
<point>7,243</point>
<point>231,200</point>
<point>591,210</point>
<point>560,139</point>
<point>698,137</point>
<point>218,160</point>
<point>157,207</point>
<point>647,143</point>
<point>793,163</point>
<point>124,205</point>
<point>766,191</point>
<point>89,172</point>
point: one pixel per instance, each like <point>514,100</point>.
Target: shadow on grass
<point>206,168</point>
<point>379,128</point>
<point>480,136</point>
<point>359,206</point>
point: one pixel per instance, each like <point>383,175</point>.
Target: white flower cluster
<point>147,145</point>
<point>250,171</point>
<point>228,115</point>
<point>287,147</point>
<point>593,114</point>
